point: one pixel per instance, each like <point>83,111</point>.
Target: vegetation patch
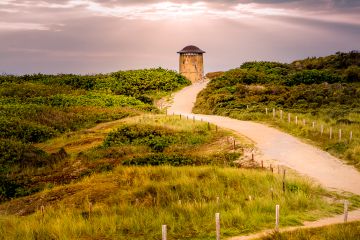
<point>145,140</point>
<point>133,203</point>
<point>322,93</point>
<point>333,232</point>
<point>156,137</point>
<point>38,108</point>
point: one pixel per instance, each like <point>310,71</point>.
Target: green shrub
<point>312,77</point>
<point>16,156</point>
<point>160,159</point>
<point>24,130</point>
<point>22,155</point>
<point>90,99</point>
<point>157,138</point>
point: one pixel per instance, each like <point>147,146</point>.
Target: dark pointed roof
<point>191,49</point>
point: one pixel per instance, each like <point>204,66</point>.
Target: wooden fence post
<point>283,182</point>
<point>304,122</point>
<point>346,204</point>
<point>289,117</point>
<point>217,222</point>
<point>164,232</point>
<point>272,193</point>
<point>209,126</point>
<point>42,209</point>
<point>330,133</point>
<point>193,118</point>
<point>274,113</point>
<point>339,134</point>
<point>296,120</point>
<point>322,129</point>
<point>313,124</point>
<point>277,216</point>
<point>281,114</point>
<point>351,136</point>
<point>266,111</point>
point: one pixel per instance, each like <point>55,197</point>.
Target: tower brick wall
<point>191,63</point>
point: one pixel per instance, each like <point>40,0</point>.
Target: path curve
<point>353,216</point>
<point>287,150</point>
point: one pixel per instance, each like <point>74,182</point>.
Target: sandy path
<point>353,216</point>
<point>276,145</point>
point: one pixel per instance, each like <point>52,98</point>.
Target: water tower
<point>191,63</point>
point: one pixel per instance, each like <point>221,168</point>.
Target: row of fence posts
<point>217,215</point>
<point>217,218</point>
<point>277,207</point>
<point>331,134</point>
<point>322,129</point>
<point>277,221</point>
<point>201,120</point>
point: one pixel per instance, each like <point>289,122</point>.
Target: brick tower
<point>191,64</point>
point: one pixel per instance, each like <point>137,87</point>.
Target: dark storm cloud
<point>87,36</point>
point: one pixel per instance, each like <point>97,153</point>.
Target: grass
<point>334,232</point>
<point>342,148</point>
<point>323,90</point>
<point>85,153</point>
<point>90,140</point>
<point>332,106</point>
<point>133,203</point>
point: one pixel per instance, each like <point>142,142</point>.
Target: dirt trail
<point>354,216</point>
<point>286,150</point>
<point>278,146</point>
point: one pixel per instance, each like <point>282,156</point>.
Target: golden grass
<point>133,203</point>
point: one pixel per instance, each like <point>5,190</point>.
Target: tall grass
<point>177,142</point>
<point>349,231</point>
<point>344,148</point>
<point>133,203</point>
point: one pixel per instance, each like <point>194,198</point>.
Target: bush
<point>160,159</point>
<point>22,155</point>
<point>312,77</point>
<point>157,138</point>
<point>24,130</point>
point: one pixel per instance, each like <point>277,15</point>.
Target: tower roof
<point>191,49</point>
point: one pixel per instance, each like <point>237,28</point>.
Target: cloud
<point>86,36</point>
<point>16,26</point>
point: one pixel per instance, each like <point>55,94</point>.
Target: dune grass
<point>346,231</point>
<point>84,153</point>
<point>133,203</point>
<point>310,130</point>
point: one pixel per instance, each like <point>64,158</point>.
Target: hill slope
<point>35,108</point>
<point>318,93</point>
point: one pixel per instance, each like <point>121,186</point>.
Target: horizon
<point>91,36</point>
<point>176,70</point>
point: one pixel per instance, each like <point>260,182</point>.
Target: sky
<point>98,36</point>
